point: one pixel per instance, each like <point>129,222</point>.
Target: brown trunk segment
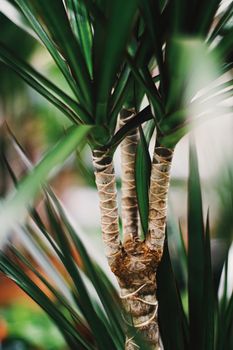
<point>136,268</point>
<point>129,205</point>
<point>159,183</point>
<point>106,185</point>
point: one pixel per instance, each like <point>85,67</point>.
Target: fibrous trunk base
<point>136,268</point>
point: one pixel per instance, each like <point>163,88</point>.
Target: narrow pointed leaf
<point>59,297</point>
<point>149,87</point>
<point>66,42</point>
<point>45,87</point>
<point>172,321</point>
<point>103,287</point>
<point>209,298</point>
<point>226,16</point>
<point>14,208</point>
<point>81,294</point>
<point>196,254</point>
<point>81,25</point>
<point>11,269</point>
<point>151,12</point>
<point>229,323</point>
<point>15,16</point>
<point>48,43</point>
<point>205,17</point>
<point>225,46</point>
<point>109,44</point>
<point>142,180</point>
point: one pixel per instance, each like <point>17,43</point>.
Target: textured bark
<point>160,179</point>
<point>140,298</point>
<point>137,280</point>
<point>136,268</point>
<point>106,185</point>
<point>128,189</point>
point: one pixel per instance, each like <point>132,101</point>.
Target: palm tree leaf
<point>226,16</point>
<point>172,321</point>
<point>14,208</point>
<point>70,334</point>
<point>58,295</point>
<point>109,43</point>
<point>118,97</point>
<point>229,323</point>
<point>177,251</point>
<point>151,13</point>
<point>214,91</point>
<point>142,177</point>
<point>149,87</point>
<point>95,9</point>
<point>81,294</point>
<point>49,44</point>
<point>141,50</point>
<point>40,229</point>
<point>15,16</point>
<point>209,298</point>
<point>128,91</point>
<point>224,48</point>
<point>221,315</point>
<point>102,285</point>
<point>81,25</point>
<point>206,14</point>
<point>67,43</point>
<point>45,87</point>
<point>196,270</point>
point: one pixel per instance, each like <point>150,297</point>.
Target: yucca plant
<point>112,54</point>
<point>87,322</point>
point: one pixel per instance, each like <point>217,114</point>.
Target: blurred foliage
<point>33,325</point>
<point>224,226</point>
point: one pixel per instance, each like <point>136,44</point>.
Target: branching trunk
<point>141,300</point>
<point>136,269</point>
<point>129,198</point>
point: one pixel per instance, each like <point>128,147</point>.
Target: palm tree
<point>107,52</point>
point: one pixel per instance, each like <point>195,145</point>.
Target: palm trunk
<point>141,300</point>
<point>160,179</point>
<point>129,198</point>
<point>136,269</point>
<point>106,185</point>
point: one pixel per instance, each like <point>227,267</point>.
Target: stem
<point>129,197</point>
<point>141,303</point>
<point>106,185</point>
<point>160,179</point>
